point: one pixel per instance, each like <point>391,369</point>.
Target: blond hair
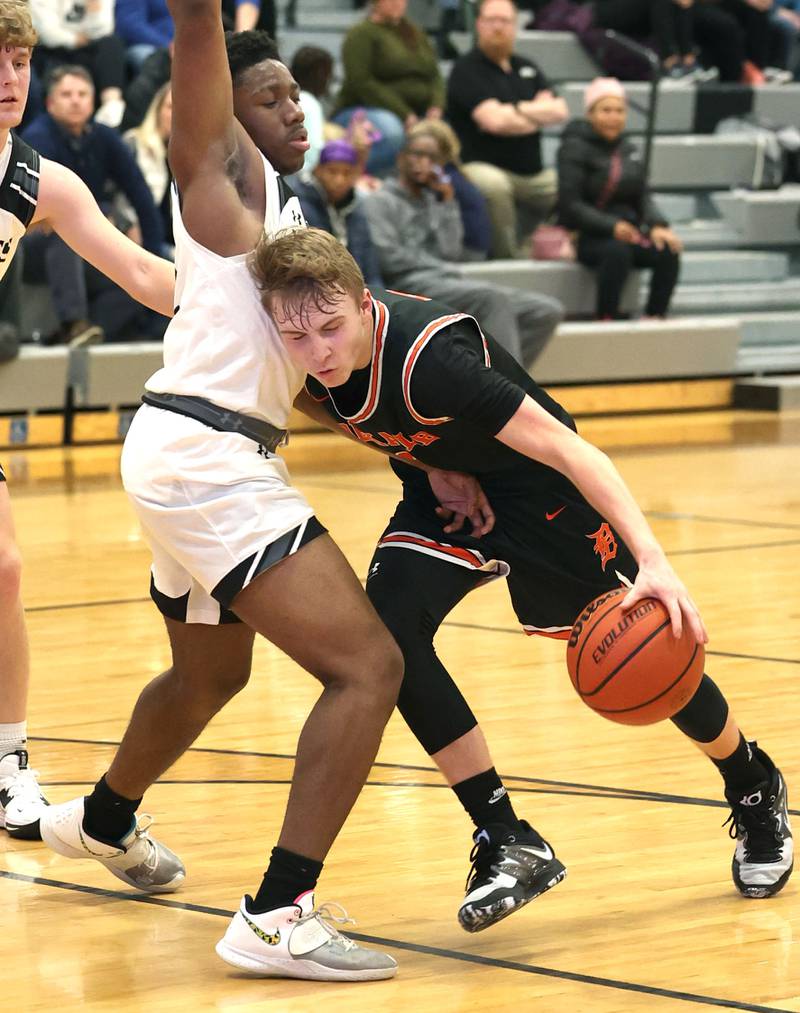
<point>16,27</point>
<point>307,268</point>
<point>443,134</point>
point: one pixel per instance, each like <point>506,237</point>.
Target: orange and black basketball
<point>627,666</point>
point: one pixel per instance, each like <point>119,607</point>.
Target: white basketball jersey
<point>221,344</point>
<point>19,194</point>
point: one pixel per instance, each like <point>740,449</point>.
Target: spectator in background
<point>148,144</point>
<point>391,71</point>
<point>668,23</point>
<point>312,68</point>
<point>81,33</point>
<point>153,74</point>
<point>416,226</point>
<point>144,26</point>
<point>784,21</point>
<point>98,155</point>
<point>244,15</point>
<point>472,203</point>
<point>736,35</point>
<point>603,195</point>
<point>330,202</point>
<point>498,103</point>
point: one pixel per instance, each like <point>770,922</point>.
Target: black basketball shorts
<point>557,554</point>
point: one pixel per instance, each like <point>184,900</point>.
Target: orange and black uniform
<point>438,389</point>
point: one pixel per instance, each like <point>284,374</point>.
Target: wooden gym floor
<point>647,919</point>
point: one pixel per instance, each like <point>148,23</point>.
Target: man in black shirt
<point>424,384</point>
<point>497,103</point>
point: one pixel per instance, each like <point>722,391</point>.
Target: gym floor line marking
<point>431,951</point>
<point>542,785</point>
<point>447,623</point>
<point>734,521</point>
<point>732,548</point>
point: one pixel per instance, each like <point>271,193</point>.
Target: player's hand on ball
<point>461,498</point>
<point>657,579</point>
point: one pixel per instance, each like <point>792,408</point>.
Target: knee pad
<point>704,716</point>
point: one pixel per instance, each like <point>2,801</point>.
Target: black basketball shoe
<point>759,822</point>
<point>509,869</point>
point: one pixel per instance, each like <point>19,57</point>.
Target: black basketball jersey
<point>19,195</point>
<point>377,403</point>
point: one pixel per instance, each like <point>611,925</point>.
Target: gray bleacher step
<point>707,234</point>
<point>290,40</point>
<point>737,297</point>
<point>762,217</point>
<point>700,267</point>
<point>323,19</point>
<point>35,380</point>
<point>558,54</point>
<point>640,350</point>
<point>775,359</point>
<point>774,393</point>
<point>677,207</point>
<point>770,329</point>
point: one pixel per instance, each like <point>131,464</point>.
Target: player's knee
<point>209,687</point>
<point>10,573</point>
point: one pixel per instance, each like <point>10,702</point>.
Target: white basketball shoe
<point>21,799</point>
<point>136,859</point>
<point>299,942</point>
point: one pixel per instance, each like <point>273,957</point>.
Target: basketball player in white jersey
<point>236,550</point>
<point>35,191</point>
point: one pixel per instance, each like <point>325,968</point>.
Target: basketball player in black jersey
<point>423,383</point>
<point>35,191</point>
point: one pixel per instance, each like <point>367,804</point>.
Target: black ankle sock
<point>287,876</point>
<point>486,800</point>
<point>107,815</point>
<point>742,769</point>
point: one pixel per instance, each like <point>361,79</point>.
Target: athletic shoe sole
<point>483,918</point>
<point>759,892</point>
<point>308,970</point>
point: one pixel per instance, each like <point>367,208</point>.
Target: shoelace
<point>25,781</point>
<point>481,857</point>
<point>330,920</point>
<point>758,824</point>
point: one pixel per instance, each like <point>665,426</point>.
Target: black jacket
<point>584,162</point>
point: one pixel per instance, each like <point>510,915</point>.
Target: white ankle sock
<point>13,737</point>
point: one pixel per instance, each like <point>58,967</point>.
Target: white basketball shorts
<point>216,509</point>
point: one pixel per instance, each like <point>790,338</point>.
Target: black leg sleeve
<point>412,594</point>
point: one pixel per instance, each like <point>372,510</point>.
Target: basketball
<point>627,666</point>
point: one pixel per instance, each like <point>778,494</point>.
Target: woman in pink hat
<point>604,197</point>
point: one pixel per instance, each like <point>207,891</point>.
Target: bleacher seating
<point>736,309</point>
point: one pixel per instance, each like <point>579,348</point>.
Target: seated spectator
<point>82,34</point>
<point>416,226</point>
<point>669,24</point>
<point>784,36</point>
<point>391,71</point>
<point>148,145</point>
<point>603,195</point>
<point>246,15</point>
<point>497,103</point>
<point>330,202</point>
<point>474,211</point>
<point>144,26</point>
<point>735,33</point>
<point>153,74</point>
<point>86,303</point>
<point>312,68</point>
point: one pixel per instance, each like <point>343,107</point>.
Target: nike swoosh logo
<point>545,852</point>
<point>270,938</point>
<point>554,514</point>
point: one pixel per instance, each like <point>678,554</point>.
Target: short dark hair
<point>312,68</point>
<point>246,49</point>
<point>57,75</point>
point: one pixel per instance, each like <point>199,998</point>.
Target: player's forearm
<point>246,16</point>
<point>185,12</point>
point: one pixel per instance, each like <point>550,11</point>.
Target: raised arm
<point>67,206</point>
<point>211,156</point>
<point>203,135</point>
